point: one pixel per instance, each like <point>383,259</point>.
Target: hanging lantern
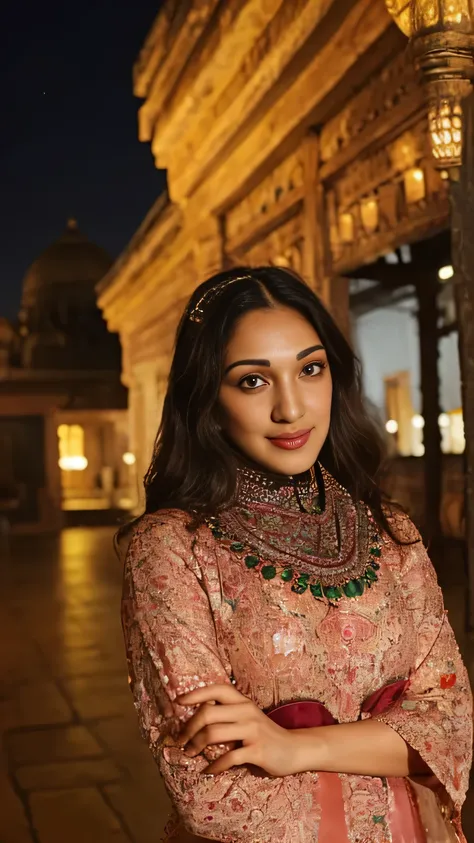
<point>441,36</point>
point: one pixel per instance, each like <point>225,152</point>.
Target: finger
<point>225,694</point>
<point>216,734</point>
<point>231,759</point>
<point>207,716</point>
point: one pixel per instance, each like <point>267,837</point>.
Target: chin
<point>289,462</point>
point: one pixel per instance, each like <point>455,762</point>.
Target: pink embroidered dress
<point>294,596</point>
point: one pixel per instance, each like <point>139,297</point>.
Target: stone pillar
<point>462,197</point>
<point>333,291</point>
<point>315,249</point>
<point>51,514</point>
<point>427,292</point>
<point>338,304</point>
<point>136,443</point>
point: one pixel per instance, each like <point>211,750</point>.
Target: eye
<point>252,382</point>
<point>312,369</point>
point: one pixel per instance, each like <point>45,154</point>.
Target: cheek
<point>241,416</point>
<point>321,399</point>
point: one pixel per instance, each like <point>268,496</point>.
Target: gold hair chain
<point>197,313</point>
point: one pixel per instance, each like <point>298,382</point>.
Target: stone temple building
<point>63,429</point>
<point>296,134</point>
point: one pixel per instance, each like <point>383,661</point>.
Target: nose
<point>288,406</point>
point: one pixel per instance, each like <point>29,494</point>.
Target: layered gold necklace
<point>306,531</point>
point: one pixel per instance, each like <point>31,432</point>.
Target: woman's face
<point>276,391</point>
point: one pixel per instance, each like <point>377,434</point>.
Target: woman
<point>293,668</point>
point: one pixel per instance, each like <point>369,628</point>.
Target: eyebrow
<point>247,363</point>
<point>309,350</point>
<point>267,363</point>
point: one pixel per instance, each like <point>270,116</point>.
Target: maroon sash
<point>305,714</point>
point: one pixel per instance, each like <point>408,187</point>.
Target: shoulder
<point>162,522</point>
<point>402,527</point>
<point>159,535</point>
<point>415,573</point>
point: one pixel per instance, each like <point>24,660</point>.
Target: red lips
<point>291,441</point>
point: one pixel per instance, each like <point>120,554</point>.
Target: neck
<point>302,492</point>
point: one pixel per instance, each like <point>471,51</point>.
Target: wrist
<point>308,749</point>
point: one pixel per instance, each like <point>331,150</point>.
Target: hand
<point>238,719</point>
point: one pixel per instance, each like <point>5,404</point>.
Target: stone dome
<point>70,260</point>
<point>61,326</point>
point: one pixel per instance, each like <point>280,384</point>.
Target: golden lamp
<point>441,34</point>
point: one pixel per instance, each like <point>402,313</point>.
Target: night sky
<point>69,145</point>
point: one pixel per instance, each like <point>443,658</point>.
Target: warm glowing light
<point>391,426</point>
<point>443,420</point>
<point>445,122</point>
<point>414,180</point>
<point>419,450</point>
<point>71,447</point>
<point>445,273</point>
<point>72,463</point>
<point>346,228</point>
<point>129,458</point>
<point>369,214</point>
<point>400,11</point>
<point>418,422</point>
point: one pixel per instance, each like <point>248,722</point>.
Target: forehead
<point>271,329</point>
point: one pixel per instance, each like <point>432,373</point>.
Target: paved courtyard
<point>73,767</point>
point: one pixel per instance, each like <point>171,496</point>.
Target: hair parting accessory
<point>197,313</point>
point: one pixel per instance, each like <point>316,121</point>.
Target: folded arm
<point>364,748</point>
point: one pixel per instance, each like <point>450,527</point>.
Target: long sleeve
<point>434,716</point>
<point>172,648</point>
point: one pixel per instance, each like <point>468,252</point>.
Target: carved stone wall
<point>275,109</point>
<point>281,247</point>
<point>232,74</point>
<point>370,208</point>
<point>387,99</point>
<point>264,201</point>
<point>264,62</point>
<point>153,335</point>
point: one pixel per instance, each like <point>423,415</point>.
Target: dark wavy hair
<point>193,467</point>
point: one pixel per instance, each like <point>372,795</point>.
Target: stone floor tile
<point>99,696</point>
<point>10,716</point>
<point>123,742</point>
<point>144,810</point>
<point>38,704</point>
<point>14,827</point>
<point>20,658</point>
<point>86,661</point>
<point>70,639</point>
<point>77,773</point>
<point>75,816</point>
<point>48,745</point>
